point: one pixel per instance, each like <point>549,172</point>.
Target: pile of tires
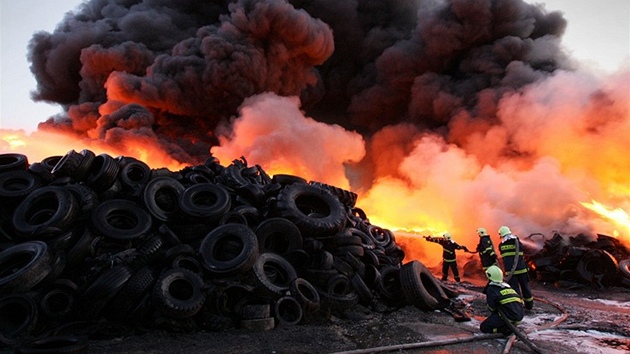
<point>94,244</point>
<point>575,262</point>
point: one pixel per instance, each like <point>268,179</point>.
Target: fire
<point>42,144</point>
<point>618,216</point>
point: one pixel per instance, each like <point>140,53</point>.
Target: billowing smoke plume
<point>443,114</point>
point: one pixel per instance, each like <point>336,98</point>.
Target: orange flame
<point>42,144</point>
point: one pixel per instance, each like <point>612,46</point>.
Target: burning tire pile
<point>91,242</point>
<point>575,262</point>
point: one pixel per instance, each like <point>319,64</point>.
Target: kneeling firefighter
<point>501,300</point>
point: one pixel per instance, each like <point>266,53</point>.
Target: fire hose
<point>517,250</point>
<point>517,332</point>
<point>469,338</point>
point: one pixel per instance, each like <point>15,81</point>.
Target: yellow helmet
<point>447,236</point>
<point>494,273</point>
<point>504,230</point>
<point>482,232</point>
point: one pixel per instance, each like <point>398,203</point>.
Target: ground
<point>563,321</point>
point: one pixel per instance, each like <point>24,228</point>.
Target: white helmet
<point>482,232</point>
<point>494,273</point>
<point>447,236</point>
<point>504,230</point>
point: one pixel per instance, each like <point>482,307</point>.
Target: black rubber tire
<point>278,235</point>
<point>229,250</point>
<point>48,210</point>
<point>598,266</point>
<point>346,197</point>
<point>133,175</point>
<point>102,173</point>
<point>306,294</point>
<point>19,318</point>
<point>161,198</point>
<point>256,311</point>
<point>287,311</point>
<point>12,162</point>
<point>23,266</point>
<point>420,287</point>
<point>178,293</point>
<point>102,290</point>
<point>57,303</point>
<point>273,274</point>
<point>74,164</point>
<point>121,219</point>
<point>208,202</point>
<point>286,180</point>
<point>16,185</point>
<point>624,268</point>
<point>316,212</point>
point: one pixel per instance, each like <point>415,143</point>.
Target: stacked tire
<point>94,239</point>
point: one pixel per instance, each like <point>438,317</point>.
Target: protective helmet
<point>504,230</point>
<point>482,232</point>
<point>447,236</point>
<point>494,273</point>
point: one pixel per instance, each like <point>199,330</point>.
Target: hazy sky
<point>598,34</point>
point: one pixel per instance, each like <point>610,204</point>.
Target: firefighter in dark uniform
<point>449,259</point>
<point>486,249</point>
<point>511,250</point>
<point>500,295</point>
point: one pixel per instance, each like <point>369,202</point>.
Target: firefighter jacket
<point>448,248</point>
<point>501,295</point>
<point>486,252</point>
<point>507,248</point>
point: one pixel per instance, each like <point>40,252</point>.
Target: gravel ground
<point>563,321</point>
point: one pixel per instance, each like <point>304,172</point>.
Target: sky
<point>597,36</point>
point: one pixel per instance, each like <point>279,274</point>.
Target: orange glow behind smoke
<point>42,144</point>
<point>556,145</point>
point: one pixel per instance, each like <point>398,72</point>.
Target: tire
<point>121,219</point>
<point>624,268</point>
<point>287,311</point>
<point>389,287</point>
<point>49,210</point>
<point>23,266</point>
<point>229,250</point>
<point>420,288</point>
<point>256,311</point>
<point>278,235</point>
<point>16,185</point>
<point>133,175</point>
<point>207,202</point>
<point>19,318</point>
<point>316,212</point>
<point>13,162</point>
<point>102,290</point>
<point>346,197</point>
<point>161,198</point>
<point>102,173</point>
<point>273,274</point>
<point>177,293</point>
<point>306,294</point>
<point>57,303</point>
<point>598,267</point>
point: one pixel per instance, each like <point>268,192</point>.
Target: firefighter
<point>486,249</point>
<point>449,259</point>
<point>511,250</point>
<point>500,297</point>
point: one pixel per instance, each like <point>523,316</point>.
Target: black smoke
<point>177,69</point>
